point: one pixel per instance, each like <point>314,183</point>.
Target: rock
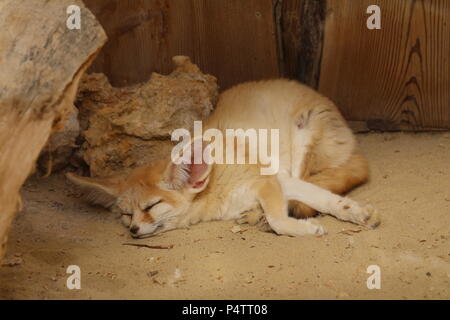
<point>127,127</point>
<point>61,144</point>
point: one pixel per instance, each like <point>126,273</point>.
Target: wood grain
<point>232,39</point>
<point>302,31</point>
<point>396,78</point>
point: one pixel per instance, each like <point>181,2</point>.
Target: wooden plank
<point>302,31</point>
<point>396,78</point>
<point>232,39</point>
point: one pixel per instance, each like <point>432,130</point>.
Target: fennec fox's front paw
<point>350,210</point>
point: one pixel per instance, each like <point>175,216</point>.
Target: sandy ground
<point>410,186</point>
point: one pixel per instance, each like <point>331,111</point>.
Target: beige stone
<point>127,127</point>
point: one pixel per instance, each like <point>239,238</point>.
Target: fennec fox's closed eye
<point>150,199</point>
<point>318,161</point>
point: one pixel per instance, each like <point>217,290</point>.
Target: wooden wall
<point>396,78</point>
<point>234,40</point>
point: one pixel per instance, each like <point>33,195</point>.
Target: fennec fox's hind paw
<point>350,210</point>
<point>255,218</point>
<point>252,217</point>
<point>372,217</point>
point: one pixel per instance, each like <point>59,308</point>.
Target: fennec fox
<point>317,162</point>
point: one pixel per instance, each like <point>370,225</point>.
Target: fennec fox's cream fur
<point>318,162</point>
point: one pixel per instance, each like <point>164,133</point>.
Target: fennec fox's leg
<point>327,202</point>
<point>339,180</point>
<point>322,154</point>
<point>274,205</point>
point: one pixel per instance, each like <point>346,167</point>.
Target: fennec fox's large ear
<point>189,175</point>
<point>101,191</point>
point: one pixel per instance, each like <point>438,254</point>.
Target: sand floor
<point>410,186</point>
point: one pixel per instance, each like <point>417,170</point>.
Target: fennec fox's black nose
<point>134,229</point>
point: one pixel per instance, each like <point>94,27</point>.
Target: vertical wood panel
<point>397,78</point>
<point>302,32</point>
<point>232,39</point>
